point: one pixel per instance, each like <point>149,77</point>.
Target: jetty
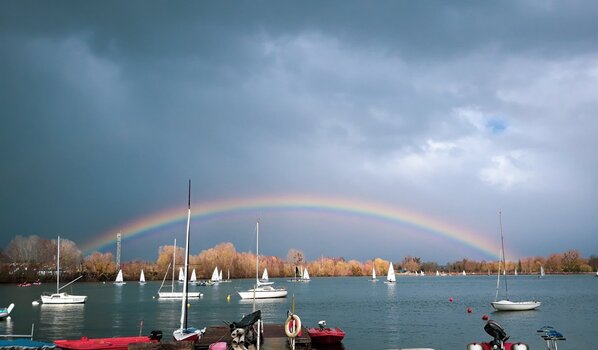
<point>274,338</point>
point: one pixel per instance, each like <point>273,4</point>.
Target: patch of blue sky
<point>496,126</point>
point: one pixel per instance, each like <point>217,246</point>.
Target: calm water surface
<point>415,312</point>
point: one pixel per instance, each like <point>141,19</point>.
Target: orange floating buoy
<point>469,310</point>
<point>485,317</point>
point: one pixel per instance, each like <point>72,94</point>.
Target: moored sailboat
<point>172,294</point>
<point>506,304</point>
<point>261,291</point>
<point>62,297</point>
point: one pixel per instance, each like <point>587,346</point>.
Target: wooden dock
<point>274,338</point>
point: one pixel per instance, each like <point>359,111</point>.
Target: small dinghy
<point>5,311</point>
<point>324,335</point>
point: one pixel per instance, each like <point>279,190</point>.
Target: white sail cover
<point>390,277</point>
<point>265,275</point>
<point>193,276</point>
<point>181,275</point>
<point>306,274</point>
<point>215,275</point>
<point>142,277</point>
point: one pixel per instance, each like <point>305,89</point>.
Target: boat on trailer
<point>185,332</point>
<point>115,343</point>
<point>325,335</point>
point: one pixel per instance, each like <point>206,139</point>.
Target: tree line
<point>34,258</point>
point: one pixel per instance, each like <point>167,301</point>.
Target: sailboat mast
<point>58,266</point>
<point>185,286</point>
<point>257,250</point>
<point>504,261</point>
<point>173,265</point>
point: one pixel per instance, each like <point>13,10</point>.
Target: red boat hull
<point>326,335</point>
<point>116,343</point>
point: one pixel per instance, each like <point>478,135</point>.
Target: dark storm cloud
<point>106,105</point>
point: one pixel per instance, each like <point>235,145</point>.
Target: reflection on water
<point>414,312</point>
<point>8,325</point>
<point>58,320</point>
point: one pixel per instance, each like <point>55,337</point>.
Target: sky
<point>450,110</point>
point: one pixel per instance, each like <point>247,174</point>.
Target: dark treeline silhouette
<point>32,258</point>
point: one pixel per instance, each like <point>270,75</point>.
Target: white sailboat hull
<point>178,295</point>
<point>261,283</point>
<point>63,298</point>
<point>189,334</point>
<point>4,312</point>
<point>263,293</point>
<point>507,305</point>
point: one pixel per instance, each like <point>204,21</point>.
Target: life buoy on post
<point>292,320</point>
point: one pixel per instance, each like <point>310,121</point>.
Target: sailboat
<point>227,280</point>
<point>186,333</point>
<point>181,275</point>
<point>374,279</point>
<point>390,276</point>
<point>215,276</point>
<point>265,281</point>
<point>62,297</point>
<point>305,277</point>
<point>261,291</point>
<point>437,273</point>
<point>172,294</point>
<point>298,275</point>
<point>463,273</point>
<point>542,272</point>
<point>142,278</point>
<point>506,304</point>
<point>119,278</point>
<point>193,279</point>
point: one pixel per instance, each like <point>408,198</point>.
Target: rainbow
<point>329,205</point>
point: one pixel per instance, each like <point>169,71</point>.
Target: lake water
<point>415,312</point>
